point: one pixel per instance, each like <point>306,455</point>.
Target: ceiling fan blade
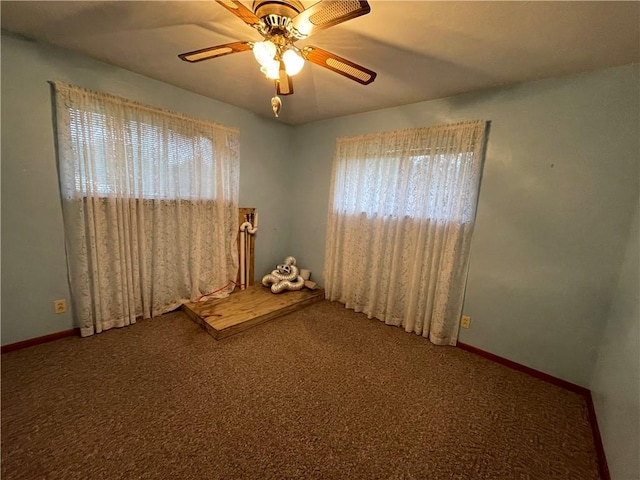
<point>339,65</point>
<point>217,51</point>
<point>240,11</point>
<point>325,14</point>
<point>284,84</point>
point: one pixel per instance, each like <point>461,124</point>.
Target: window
<point>150,204</point>
<point>156,162</point>
<point>400,223</point>
<point>403,185</point>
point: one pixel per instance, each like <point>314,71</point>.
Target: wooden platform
<point>244,309</point>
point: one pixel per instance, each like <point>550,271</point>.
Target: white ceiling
<point>421,50</point>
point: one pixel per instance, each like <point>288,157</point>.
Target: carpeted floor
<point>323,393</point>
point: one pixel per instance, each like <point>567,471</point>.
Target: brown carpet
<point>323,393</point>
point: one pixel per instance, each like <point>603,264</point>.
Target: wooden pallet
<point>244,309</point>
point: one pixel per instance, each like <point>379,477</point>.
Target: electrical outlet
<point>60,306</point>
<point>465,322</point>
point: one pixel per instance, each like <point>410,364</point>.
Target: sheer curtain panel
<point>150,204</point>
<point>400,220</point>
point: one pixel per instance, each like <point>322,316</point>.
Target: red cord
<point>216,291</point>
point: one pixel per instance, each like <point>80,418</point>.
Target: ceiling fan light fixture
<point>271,70</point>
<point>305,28</point>
<point>265,52</point>
<point>293,61</point>
<point>281,23</point>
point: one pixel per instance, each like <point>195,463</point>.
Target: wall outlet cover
<point>60,306</point>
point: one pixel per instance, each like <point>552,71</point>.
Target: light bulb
<point>293,62</point>
<point>264,52</point>
<point>304,27</point>
<point>271,70</point>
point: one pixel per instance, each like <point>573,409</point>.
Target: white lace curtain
<point>400,220</point>
<point>150,204</point>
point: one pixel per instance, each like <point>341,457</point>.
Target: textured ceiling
<point>420,50</point>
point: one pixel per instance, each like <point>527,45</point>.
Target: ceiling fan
<point>282,23</point>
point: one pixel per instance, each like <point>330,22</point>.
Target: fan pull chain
<point>276,103</point>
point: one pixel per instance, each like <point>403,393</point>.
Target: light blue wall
<point>559,188</point>
<point>616,381</point>
<point>33,256</point>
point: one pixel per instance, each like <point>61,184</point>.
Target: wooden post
<point>242,212</point>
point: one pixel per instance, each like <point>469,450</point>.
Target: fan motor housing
<point>277,8</point>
